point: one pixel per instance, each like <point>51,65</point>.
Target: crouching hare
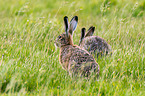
<point>75,60</point>
<point>95,45</point>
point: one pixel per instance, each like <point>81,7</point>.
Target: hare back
<point>82,63</point>
<point>95,43</point>
<point>77,60</point>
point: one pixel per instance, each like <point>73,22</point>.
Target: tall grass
<point>29,61</point>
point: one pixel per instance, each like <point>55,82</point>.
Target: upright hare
<point>75,60</point>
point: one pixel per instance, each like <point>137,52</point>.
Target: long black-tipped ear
<point>90,31</point>
<point>82,35</point>
<point>66,25</point>
<point>73,24</point>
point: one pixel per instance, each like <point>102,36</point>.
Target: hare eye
<point>59,37</point>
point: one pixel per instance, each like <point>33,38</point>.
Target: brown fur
<point>75,60</point>
<point>94,44</point>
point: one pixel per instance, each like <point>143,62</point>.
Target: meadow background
<point>29,63</point>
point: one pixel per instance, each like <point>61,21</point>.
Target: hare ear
<point>73,24</point>
<point>90,31</point>
<point>82,35</point>
<point>66,25</point>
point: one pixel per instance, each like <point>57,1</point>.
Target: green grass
<point>29,61</point>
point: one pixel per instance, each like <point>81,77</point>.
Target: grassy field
<point>29,61</point>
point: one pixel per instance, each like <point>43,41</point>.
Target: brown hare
<point>75,60</point>
<point>94,44</point>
